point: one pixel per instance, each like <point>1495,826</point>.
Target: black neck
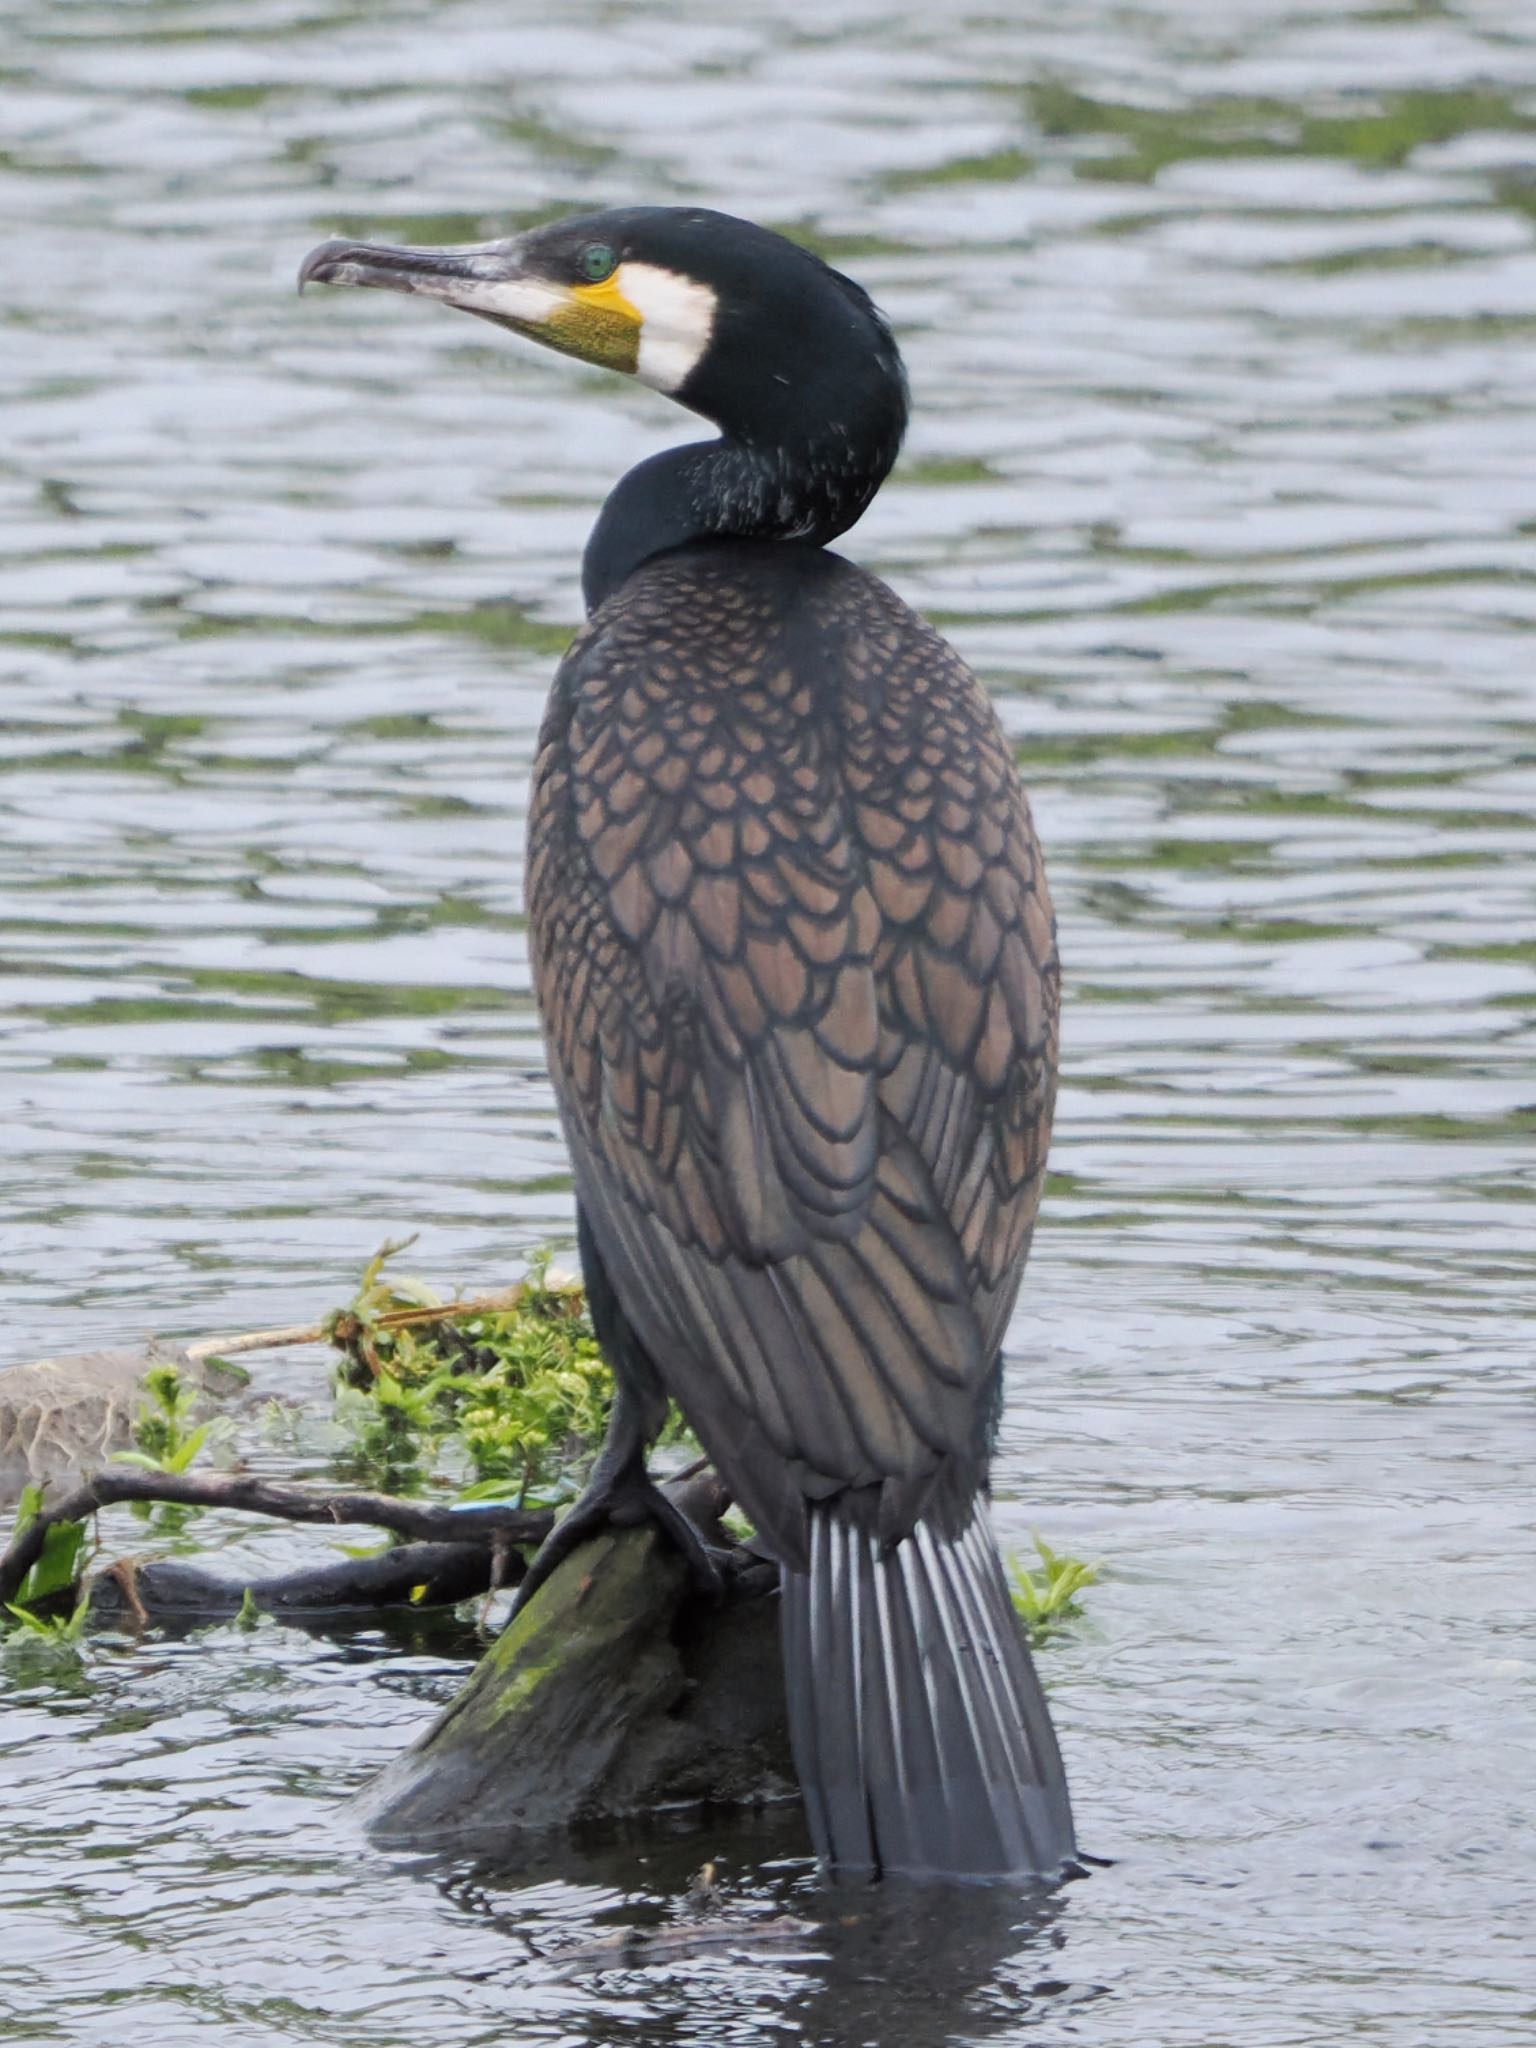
<point>726,489</point>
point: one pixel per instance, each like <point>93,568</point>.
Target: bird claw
<point>623,1503</point>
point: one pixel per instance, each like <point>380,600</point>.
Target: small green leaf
<point>34,1622</point>
<point>1045,1601</point>
<point>58,1567</point>
<point>64,1631</point>
<point>228,1370</point>
<point>489,1489</point>
<point>162,1433</point>
<point>186,1451</point>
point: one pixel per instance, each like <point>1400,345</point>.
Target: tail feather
<point>921,1734</point>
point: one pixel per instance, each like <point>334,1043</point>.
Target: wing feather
<point>796,963</point>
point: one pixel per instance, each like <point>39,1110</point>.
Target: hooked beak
<point>494,281</point>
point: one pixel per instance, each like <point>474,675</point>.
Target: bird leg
<point>621,1491</point>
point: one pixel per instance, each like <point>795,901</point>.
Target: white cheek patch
<point>678,318</point>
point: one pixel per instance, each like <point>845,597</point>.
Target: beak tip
<point>319,266</point>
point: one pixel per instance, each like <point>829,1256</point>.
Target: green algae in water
<point>1132,144</point>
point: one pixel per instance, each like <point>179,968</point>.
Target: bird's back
<point>795,956</point>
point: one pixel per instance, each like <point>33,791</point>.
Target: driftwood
<point>490,1525</point>
<point>165,1592</point>
<point>618,1693</point>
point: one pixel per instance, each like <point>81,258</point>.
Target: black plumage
<point>794,951</point>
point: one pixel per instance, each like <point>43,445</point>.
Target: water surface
<point>1222,326</point>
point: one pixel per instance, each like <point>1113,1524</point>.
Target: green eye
<point>597,262</point>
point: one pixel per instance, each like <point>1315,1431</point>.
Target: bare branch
<point>255,1340</point>
<point>475,1523</point>
<point>322,1333</point>
<point>169,1590</point>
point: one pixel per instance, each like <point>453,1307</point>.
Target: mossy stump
<point>619,1692</point>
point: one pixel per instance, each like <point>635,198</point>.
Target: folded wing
<point>795,958</point>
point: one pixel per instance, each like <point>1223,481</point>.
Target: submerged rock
<point>62,1418</point>
<point>618,1692</point>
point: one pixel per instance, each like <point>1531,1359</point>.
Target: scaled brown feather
<point>796,959</point>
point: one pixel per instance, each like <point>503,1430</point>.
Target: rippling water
<point>1222,326</point>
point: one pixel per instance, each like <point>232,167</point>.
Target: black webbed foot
<point>623,1499</point>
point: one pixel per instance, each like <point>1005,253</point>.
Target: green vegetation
<point>59,1566</point>
<point>61,1631</point>
<point>166,1439</point>
<point>1046,1600</point>
<point>36,1628</point>
<point>517,1397</point>
<point>506,1398</point>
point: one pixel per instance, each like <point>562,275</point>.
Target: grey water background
<point>1222,328</point>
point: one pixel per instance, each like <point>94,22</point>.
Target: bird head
<point>730,319</point>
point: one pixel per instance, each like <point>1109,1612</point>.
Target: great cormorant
<point>796,962</point>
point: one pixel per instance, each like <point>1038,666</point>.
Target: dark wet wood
<point>171,1593</point>
<point>490,1525</point>
<point>617,1693</point>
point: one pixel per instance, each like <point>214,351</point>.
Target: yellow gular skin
<point>597,324</point>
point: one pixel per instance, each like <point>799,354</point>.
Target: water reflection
<point>918,1969</point>
<point>770,1951</point>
